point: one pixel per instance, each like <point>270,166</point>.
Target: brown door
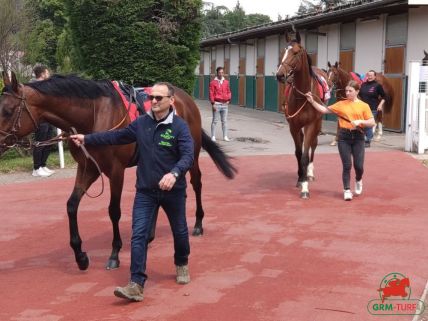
<point>313,58</point>
<point>346,60</point>
<point>394,72</point>
<point>226,67</point>
<point>201,80</point>
<point>241,76</point>
<point>260,82</point>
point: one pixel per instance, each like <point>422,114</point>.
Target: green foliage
<point>47,39</point>
<point>139,42</point>
<point>219,19</point>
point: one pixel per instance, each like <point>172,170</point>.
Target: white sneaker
<point>226,139</point>
<point>213,138</point>
<point>47,170</point>
<point>347,195</point>
<point>40,173</point>
<point>358,187</point>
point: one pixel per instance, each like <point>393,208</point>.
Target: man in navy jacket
<point>166,152</point>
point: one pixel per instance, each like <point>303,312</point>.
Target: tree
<point>139,42</point>
<point>14,22</point>
<point>218,20</point>
<point>49,31</point>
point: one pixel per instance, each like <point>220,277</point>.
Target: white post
<point>412,108</point>
<point>421,123</point>
<point>60,150</point>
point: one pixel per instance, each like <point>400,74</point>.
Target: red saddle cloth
<point>323,90</point>
<point>355,77</point>
<point>132,108</point>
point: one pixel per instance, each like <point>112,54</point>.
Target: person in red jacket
<point>220,96</point>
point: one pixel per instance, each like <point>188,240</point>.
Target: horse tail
<point>221,160</point>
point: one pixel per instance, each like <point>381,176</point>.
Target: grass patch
<point>12,162</point>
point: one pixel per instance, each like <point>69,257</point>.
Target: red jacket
<point>220,92</point>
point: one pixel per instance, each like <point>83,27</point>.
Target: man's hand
<point>213,107</point>
<point>167,182</point>
<point>78,139</point>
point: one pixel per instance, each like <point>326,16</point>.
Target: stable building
<point>383,35</point>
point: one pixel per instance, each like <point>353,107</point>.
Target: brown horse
<point>91,106</point>
<point>340,78</point>
<point>304,121</point>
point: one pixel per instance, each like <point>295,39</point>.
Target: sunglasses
<point>158,98</point>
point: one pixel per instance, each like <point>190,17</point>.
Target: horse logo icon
<point>395,285</point>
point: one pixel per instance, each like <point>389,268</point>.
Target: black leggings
<point>41,154</point>
<point>351,143</point>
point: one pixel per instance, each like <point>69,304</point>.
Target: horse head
<point>333,73</point>
<point>16,119</point>
<point>292,61</point>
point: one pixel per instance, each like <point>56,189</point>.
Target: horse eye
<point>7,112</point>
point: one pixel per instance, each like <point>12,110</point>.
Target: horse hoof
<point>311,178</point>
<point>112,264</point>
<point>304,195</point>
<point>299,184</point>
<point>82,261</point>
<point>198,231</point>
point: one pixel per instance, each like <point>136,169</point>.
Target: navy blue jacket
<point>163,147</point>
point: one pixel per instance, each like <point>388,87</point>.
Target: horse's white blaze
<point>283,58</point>
<point>305,187</point>
<point>311,169</point>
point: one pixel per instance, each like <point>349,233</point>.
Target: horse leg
<point>195,180</point>
<point>116,186</point>
<point>311,168</point>
<point>297,135</point>
<point>310,142</point>
<point>80,186</point>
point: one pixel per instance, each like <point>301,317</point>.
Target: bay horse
<point>340,78</point>
<point>92,106</point>
<point>304,121</point>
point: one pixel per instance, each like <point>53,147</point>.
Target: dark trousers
<point>351,148</point>
<point>41,154</point>
<point>146,204</point>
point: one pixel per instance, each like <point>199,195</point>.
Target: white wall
<point>271,55</point>
<point>369,44</point>
<point>207,63</point>
<point>234,60</point>
<point>219,56</point>
<point>322,48</point>
<point>250,59</point>
<point>333,43</point>
<point>417,40</point>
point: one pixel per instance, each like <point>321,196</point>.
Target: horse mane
<point>72,86</point>
<point>311,72</point>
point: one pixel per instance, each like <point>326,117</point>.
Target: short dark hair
<point>171,90</point>
<point>218,69</point>
<point>39,70</point>
<point>371,70</point>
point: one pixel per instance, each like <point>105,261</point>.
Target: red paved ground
<point>266,254</point>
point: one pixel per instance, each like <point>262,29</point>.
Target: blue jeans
<point>351,147</point>
<point>369,130</point>
<point>221,111</point>
<point>146,204</point>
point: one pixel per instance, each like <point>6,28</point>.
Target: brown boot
<point>133,292</point>
<point>183,276</point>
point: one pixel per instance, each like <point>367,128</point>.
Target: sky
<point>272,8</point>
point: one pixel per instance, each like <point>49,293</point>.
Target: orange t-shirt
<point>351,110</point>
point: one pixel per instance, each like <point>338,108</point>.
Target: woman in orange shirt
<point>353,115</point>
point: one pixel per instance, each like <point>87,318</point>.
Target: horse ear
<point>15,83</point>
<point>426,54</point>
<point>336,64</point>
<point>298,39</point>
<point>6,79</point>
<point>329,64</point>
<point>287,37</point>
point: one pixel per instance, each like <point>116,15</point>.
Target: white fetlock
<point>310,171</point>
<point>380,129</point>
<point>304,187</point>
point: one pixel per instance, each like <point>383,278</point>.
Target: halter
<point>16,124</point>
<point>293,87</point>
